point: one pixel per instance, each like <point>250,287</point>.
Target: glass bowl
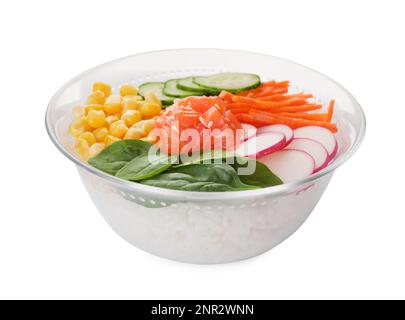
<point>204,227</point>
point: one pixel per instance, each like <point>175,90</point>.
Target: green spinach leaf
<point>200,177</point>
<point>118,154</point>
<point>261,176</point>
<point>145,167</point>
<point>250,171</point>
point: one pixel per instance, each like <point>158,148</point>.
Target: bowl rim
<point>197,195</point>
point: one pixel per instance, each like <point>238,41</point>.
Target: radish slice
<point>249,131</point>
<point>314,148</point>
<point>320,134</point>
<point>290,165</point>
<point>281,128</point>
<point>261,145</point>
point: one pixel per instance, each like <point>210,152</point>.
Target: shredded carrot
<point>307,116</point>
<point>301,108</point>
<point>330,110</point>
<point>280,97</point>
<point>268,92</point>
<point>269,118</point>
<point>281,84</point>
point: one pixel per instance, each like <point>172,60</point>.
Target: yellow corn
<point>89,107</point>
<point>146,125</point>
<point>132,102</point>
<point>85,124</point>
<point>89,137</point>
<point>100,134</point>
<point>78,112</point>
<point>113,105</point>
<point>149,139</point>
<point>151,97</point>
<point>96,118</point>
<point>131,116</point>
<point>111,119</point>
<point>101,86</point>
<point>96,97</point>
<point>110,139</point>
<point>95,149</point>
<point>128,90</point>
<point>134,133</point>
<point>82,147</point>
<point>118,129</point>
<point>150,109</point>
<point>76,128</point>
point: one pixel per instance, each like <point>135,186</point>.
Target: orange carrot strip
<point>269,92</point>
<point>280,97</point>
<point>269,104</point>
<point>301,108</point>
<point>330,110</point>
<point>307,116</point>
<point>227,96</point>
<point>281,84</point>
<point>247,118</point>
<point>270,118</point>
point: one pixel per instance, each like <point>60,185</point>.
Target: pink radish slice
<point>249,131</point>
<point>314,148</point>
<point>281,128</point>
<point>320,134</point>
<point>290,165</point>
<point>261,145</point>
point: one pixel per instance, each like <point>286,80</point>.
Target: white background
<point>54,243</point>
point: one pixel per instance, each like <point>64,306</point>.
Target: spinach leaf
<point>250,171</point>
<point>200,177</point>
<point>145,167</point>
<point>118,154</point>
<point>261,176</point>
<point>208,157</point>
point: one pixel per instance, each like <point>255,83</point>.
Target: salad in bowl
<point>210,156</point>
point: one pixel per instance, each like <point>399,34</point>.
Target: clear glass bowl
<point>204,227</point>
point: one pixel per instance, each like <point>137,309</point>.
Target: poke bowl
<point>297,127</point>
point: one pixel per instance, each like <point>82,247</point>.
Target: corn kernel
<point>134,133</point>
<point>82,147</point>
<point>150,109</point>
<point>151,97</point>
<point>146,125</point>
<point>96,97</point>
<point>76,128</point>
<point>85,124</point>
<point>96,118</point>
<point>103,87</point>
<point>113,105</point>
<point>118,128</point>
<point>89,137</point>
<point>149,139</point>
<point>100,134</point>
<point>131,116</point>
<point>110,139</point>
<point>90,107</point>
<point>132,102</point>
<point>128,90</point>
<point>111,119</point>
<point>78,112</point>
<point>95,149</point>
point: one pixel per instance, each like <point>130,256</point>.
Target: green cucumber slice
<point>230,81</point>
<point>157,88</point>
<point>170,89</point>
<point>188,84</point>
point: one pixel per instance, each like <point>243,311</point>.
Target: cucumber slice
<point>170,89</point>
<point>157,88</point>
<point>188,84</point>
<point>230,81</point>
